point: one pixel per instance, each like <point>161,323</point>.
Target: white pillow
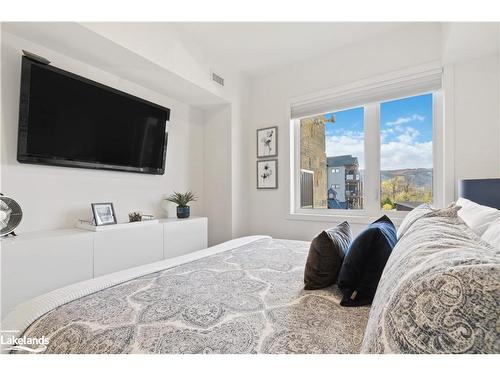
<point>492,234</point>
<point>477,217</point>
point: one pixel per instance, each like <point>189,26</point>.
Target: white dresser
<point>116,250</point>
<point>183,236</point>
<point>38,262</point>
<point>35,263</point>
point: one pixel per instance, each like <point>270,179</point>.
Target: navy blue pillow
<point>364,262</point>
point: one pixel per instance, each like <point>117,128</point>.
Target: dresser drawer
<point>184,236</point>
<point>116,250</point>
<point>39,263</point>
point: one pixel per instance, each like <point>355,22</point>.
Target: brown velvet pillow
<point>326,254</point>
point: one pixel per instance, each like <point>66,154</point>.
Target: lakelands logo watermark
<point>11,342</point>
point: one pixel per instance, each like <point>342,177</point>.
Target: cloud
<point>401,153</point>
<point>350,143</point>
<point>404,120</point>
<point>408,136</point>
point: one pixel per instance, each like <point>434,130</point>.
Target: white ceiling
<point>100,52</point>
<point>260,48</point>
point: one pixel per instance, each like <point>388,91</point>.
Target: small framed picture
<point>104,213</point>
<point>267,174</point>
<point>267,142</point>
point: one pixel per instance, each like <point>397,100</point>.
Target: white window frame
<point>371,184</point>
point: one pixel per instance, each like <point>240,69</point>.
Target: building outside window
<point>333,146</point>
<point>313,159</point>
<point>324,143</point>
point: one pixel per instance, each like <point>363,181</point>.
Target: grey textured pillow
<point>425,210</point>
<point>438,293</point>
<point>412,216</point>
<point>326,254</point>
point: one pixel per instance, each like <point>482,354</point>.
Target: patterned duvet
<point>246,300</point>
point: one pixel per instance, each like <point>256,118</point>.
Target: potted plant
<point>182,200</point>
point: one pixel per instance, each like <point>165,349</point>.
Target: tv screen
<point>71,121</point>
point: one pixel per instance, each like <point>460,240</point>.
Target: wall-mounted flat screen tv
<point>67,120</point>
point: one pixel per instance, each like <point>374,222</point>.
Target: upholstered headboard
<point>483,191</point>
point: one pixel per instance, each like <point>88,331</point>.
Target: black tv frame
<point>24,157</point>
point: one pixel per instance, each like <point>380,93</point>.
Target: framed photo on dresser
<point>104,213</point>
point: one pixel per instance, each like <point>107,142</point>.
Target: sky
<point>405,128</point>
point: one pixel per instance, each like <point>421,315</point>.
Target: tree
<point>387,204</point>
<point>387,207</point>
<point>403,189</point>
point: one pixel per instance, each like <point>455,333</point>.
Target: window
<point>369,159</point>
<point>406,153</point>
<point>332,149</point>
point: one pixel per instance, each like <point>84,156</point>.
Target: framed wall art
<point>267,174</point>
<point>267,142</point>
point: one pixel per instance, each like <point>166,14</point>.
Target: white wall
<point>470,54</point>
<point>151,50</point>
<point>212,151</point>
<point>55,197</point>
<point>476,114</point>
<point>162,44</point>
<point>218,179</point>
<point>477,125</point>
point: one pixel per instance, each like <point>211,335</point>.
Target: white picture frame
<point>267,142</point>
<point>267,174</point>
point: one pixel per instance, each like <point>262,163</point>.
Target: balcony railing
<point>352,177</point>
<point>306,188</point>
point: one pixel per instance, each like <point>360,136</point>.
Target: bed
<point>244,296</point>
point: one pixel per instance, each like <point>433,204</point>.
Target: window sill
<point>340,217</point>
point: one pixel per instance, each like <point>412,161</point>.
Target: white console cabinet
<point>116,250</point>
<point>36,263</point>
<point>184,236</point>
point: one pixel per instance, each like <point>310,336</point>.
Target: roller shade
<point>408,83</point>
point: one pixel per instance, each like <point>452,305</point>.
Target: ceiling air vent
<point>218,79</point>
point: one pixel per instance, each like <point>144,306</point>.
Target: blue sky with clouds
<point>405,127</point>
<point>415,112</point>
<point>350,120</point>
